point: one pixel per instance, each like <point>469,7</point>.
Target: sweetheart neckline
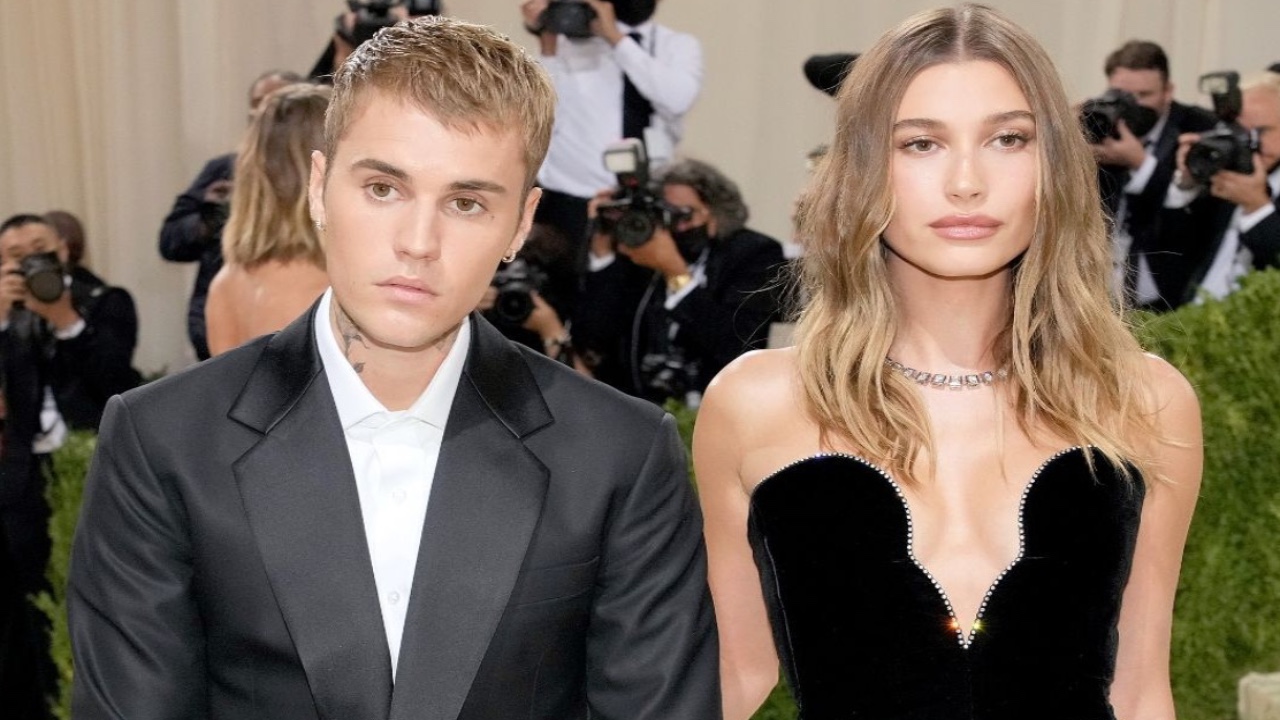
<point>964,638</point>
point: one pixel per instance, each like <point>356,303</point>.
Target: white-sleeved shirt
<point>1233,259</point>
<point>393,456</point>
<point>665,66</point>
<point>1145,290</point>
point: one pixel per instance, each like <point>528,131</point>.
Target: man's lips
<point>407,285</point>
<point>966,227</point>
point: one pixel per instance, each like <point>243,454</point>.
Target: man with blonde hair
<point>1234,217</point>
<point>387,510</point>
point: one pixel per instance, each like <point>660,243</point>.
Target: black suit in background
<point>620,314</point>
<point>83,372</point>
<point>220,569</point>
<point>1203,225</point>
<point>1172,262</point>
<point>184,237</point>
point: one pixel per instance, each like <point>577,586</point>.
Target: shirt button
<point>398,495</point>
<point>393,597</point>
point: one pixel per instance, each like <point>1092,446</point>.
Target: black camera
<point>571,18</point>
<point>373,15</point>
<point>637,208</point>
<point>1229,146</point>
<point>43,273</point>
<point>516,282</point>
<point>668,375</point>
<point>1100,116</point>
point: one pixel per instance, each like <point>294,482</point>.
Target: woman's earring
<point>509,257</point>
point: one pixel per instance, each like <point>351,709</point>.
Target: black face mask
<point>691,241</point>
<point>633,12</point>
<point>1141,120</point>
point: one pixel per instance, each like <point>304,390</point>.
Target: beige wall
<point>108,108</point>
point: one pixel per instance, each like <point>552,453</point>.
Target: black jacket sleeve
<point>96,364</point>
<point>183,238</point>
<point>732,311</point>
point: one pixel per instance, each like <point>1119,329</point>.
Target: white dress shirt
<point>393,456</point>
<point>1145,289</point>
<point>665,66</point>
<point>1233,259</point>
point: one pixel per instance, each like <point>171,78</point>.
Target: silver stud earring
<point>319,226</point>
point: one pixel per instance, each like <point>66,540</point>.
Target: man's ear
<point>315,187</point>
<point>526,219</point>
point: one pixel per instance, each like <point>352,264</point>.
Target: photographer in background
<point>363,19</point>
<point>1135,128</point>
<point>66,345</point>
<point>192,231</point>
<point>1232,213</point>
<point>618,74</point>
<point>528,299</point>
<point>662,313</point>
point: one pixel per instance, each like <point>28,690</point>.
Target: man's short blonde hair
<point>1264,79</point>
<point>466,76</point>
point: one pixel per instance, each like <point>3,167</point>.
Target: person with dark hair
<point>1134,172</point>
<point>963,493</point>
<point>631,77</point>
<point>71,230</point>
<point>660,320</point>
<point>192,231</point>
<point>66,347</point>
<point>387,509</point>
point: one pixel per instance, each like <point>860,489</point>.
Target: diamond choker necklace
<point>942,380</point>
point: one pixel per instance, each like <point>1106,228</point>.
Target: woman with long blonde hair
<point>274,257</point>
<point>965,491</point>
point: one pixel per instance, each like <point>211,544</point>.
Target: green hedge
<point>1227,621</point>
<point>66,484</point>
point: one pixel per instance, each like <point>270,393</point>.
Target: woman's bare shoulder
<point>760,377</point>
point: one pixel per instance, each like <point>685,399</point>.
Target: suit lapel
<point>486,499</point>
<point>300,496</point>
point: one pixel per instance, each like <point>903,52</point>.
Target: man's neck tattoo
<point>350,336</point>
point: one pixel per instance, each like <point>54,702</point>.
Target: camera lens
<point>634,228</point>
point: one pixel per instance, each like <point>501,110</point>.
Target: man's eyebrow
<point>931,124</point>
<point>385,168</point>
<point>485,186</point>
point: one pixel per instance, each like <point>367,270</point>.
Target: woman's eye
<point>1011,140</point>
<point>920,145</point>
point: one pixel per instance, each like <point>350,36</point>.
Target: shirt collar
<point>354,401</point>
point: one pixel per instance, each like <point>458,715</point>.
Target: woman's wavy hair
<point>269,214</point>
<point>1075,370</point>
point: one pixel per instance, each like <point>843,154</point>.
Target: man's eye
<point>380,190</point>
<point>468,206</point>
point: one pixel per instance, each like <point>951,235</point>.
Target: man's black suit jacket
<point>1171,261</point>
<point>1202,226</point>
<point>183,238</point>
<point>83,372</point>
<point>220,569</point>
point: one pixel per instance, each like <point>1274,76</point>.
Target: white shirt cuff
<point>76,328</point>
<point>1139,178</point>
<point>1250,221</point>
<point>1176,197</point>
<point>596,263</point>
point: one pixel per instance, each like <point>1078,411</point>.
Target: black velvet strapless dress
<point>863,630</point>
